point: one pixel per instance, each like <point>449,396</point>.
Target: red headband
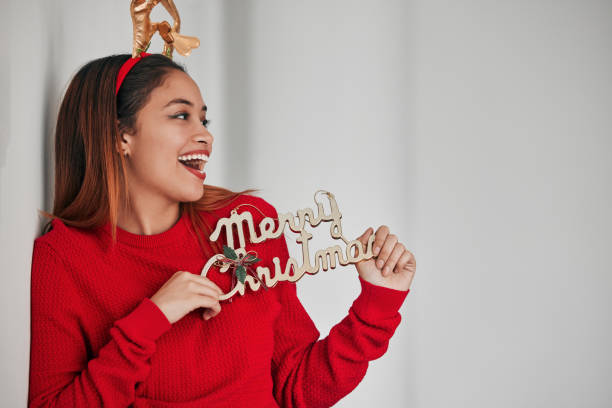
<point>126,67</point>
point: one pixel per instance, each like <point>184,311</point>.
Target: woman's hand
<point>393,267</point>
<point>184,292</point>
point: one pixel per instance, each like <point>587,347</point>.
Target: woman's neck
<point>147,217</point>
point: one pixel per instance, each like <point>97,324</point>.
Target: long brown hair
<point>90,173</point>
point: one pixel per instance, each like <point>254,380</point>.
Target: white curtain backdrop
<point>479,131</point>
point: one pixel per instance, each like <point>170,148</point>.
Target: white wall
<point>478,131</point>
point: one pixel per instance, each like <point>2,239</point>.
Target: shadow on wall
<point>236,28</point>
<point>5,81</point>
<point>50,100</point>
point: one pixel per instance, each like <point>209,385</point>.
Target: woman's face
<point>170,139</point>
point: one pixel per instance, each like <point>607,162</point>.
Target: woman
<point>121,316</point>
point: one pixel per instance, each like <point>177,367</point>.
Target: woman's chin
<point>193,195</point>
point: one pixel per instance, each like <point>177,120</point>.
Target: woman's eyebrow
<point>184,102</point>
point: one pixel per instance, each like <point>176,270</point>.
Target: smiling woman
<point>157,121</point>
<point>136,325</point>
<point>163,134</point>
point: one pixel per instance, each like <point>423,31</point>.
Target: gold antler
<point>144,29</point>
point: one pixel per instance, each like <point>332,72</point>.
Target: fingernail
<point>380,263</point>
<point>376,250</point>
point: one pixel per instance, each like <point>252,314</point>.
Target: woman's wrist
<point>145,321</point>
<point>378,302</point>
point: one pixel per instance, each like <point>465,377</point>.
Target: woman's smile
<point>194,162</point>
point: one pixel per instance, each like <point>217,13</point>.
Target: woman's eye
<point>181,114</point>
<point>185,115</point>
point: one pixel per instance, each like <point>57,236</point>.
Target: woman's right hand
<point>184,292</point>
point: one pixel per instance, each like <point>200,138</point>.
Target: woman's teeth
<point>195,161</point>
<point>199,156</point>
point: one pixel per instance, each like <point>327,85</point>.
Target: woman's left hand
<point>394,266</point>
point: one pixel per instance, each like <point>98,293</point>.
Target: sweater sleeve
<point>308,372</point>
<point>61,373</point>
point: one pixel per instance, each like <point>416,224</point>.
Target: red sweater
<point>98,340</point>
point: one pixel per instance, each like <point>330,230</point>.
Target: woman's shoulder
<point>258,206</point>
<point>61,237</point>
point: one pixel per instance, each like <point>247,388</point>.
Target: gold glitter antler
<point>144,29</point>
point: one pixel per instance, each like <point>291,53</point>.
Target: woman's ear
<point>125,140</point>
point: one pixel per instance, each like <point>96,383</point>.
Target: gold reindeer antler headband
<point>144,29</point>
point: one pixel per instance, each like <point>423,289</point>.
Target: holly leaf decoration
<point>229,252</point>
<point>240,263</point>
<point>250,259</point>
<point>241,273</point>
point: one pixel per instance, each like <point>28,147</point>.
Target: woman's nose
<point>205,137</point>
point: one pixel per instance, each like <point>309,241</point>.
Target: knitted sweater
<point>98,340</point>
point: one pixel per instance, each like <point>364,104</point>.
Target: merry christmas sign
<point>241,263</point>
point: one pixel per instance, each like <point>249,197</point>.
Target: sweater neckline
<point>171,235</point>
